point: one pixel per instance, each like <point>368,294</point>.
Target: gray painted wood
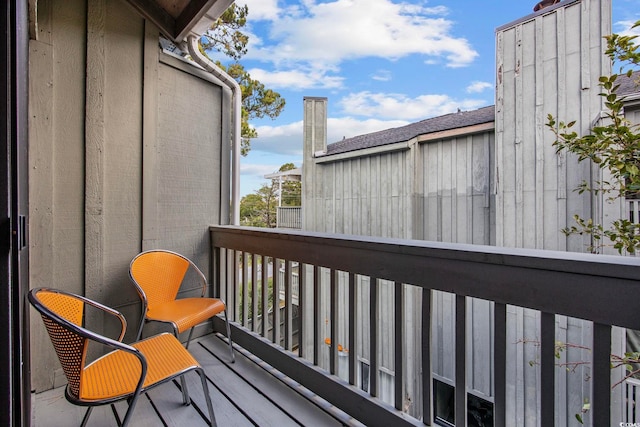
<point>243,394</point>
<point>106,181</point>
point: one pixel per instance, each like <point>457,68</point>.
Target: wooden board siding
<point>129,154</point>
<point>56,165</point>
<point>546,65</point>
<point>549,64</point>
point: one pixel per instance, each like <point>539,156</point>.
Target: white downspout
<point>236,92</point>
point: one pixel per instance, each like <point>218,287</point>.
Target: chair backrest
<point>158,275</point>
<point>63,315</point>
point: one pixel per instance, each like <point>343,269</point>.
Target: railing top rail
<point>600,288</point>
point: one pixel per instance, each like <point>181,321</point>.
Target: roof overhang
<point>176,19</point>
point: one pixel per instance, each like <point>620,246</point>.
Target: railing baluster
<point>215,274</point>
<point>317,337</point>
<point>233,264</point>
<point>399,341</point>
<point>254,293</point>
<point>276,301</point>
<point>245,285</point>
<point>461,361</point>
<point>288,340</point>
<point>373,336</point>
<point>265,295</point>
<point>601,375</point>
<point>302,295</point>
<point>333,316</point>
<point>427,380</point>
<point>547,368</point>
<point>352,328</point>
<point>500,364</point>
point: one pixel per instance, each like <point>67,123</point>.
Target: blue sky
<point>380,63</point>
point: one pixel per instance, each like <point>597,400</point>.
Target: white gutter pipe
<point>236,92</point>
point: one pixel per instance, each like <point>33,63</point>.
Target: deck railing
<point>289,217</point>
<point>596,288</point>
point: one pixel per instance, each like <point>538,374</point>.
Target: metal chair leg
<point>86,416</point>
<point>226,320</point>
<point>189,339</point>
<point>115,414</point>
<point>185,391</point>
<point>205,389</point>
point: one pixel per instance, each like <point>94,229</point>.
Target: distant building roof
<point>457,120</point>
<point>405,133</point>
<point>628,85</point>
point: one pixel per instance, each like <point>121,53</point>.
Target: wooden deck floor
<point>246,393</point>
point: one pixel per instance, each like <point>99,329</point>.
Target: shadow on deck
<point>246,393</point>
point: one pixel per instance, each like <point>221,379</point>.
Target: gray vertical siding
<point>548,64</point>
<point>128,153</point>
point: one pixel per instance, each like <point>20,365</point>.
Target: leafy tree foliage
<point>259,208</point>
<point>291,193</point>
<point>225,36</point>
<point>613,146</point>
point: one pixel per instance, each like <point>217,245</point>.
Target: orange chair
<point>122,374</point>
<point>158,276</point>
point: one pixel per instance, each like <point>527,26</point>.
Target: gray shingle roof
<point>405,133</point>
<point>628,85</point>
<point>442,123</point>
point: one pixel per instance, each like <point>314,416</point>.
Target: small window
<point>444,403</point>
<point>479,411</point>
<point>364,376</point>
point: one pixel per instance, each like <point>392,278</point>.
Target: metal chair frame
<point>52,319</point>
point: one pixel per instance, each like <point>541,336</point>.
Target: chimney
<point>315,125</point>
<point>543,4</point>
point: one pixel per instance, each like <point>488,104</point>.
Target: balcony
<point>330,338</point>
<point>289,217</point>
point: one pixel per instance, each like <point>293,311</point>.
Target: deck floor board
<point>243,394</point>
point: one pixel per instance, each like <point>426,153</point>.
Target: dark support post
<point>245,286</point>
<point>601,375</point>
<point>254,292</point>
<point>333,316</point>
<point>427,381</point>
<point>500,364</point>
<point>288,314</point>
<point>265,295</point>
<point>547,368</point>
<point>302,295</point>
<point>398,357</point>
<point>461,361</point>
<point>317,337</point>
<point>373,336</point>
<point>276,301</point>
<point>352,328</point>
<point>232,296</point>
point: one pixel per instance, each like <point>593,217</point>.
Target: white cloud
<point>297,79</point>
<point>477,87</point>
<point>261,9</point>
<point>331,32</point>
<point>382,75</point>
<point>402,107</point>
<point>624,28</point>
<point>286,140</point>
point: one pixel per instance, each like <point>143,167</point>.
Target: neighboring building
<point>489,176</point>
<point>288,212</point>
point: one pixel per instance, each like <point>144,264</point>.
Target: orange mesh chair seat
<point>158,275</point>
<point>186,312</point>
<point>122,374</point>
